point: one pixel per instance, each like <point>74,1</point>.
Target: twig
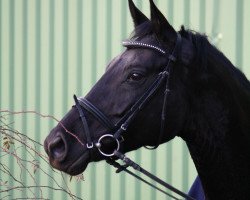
<point>44,116</point>
<point>11,138</point>
<point>39,186</point>
<point>66,184</point>
<point>10,174</point>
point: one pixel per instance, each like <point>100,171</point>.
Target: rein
<point>121,126</point>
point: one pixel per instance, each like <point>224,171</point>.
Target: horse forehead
<point>134,57</point>
<point>122,59</point>
<point>138,56</point>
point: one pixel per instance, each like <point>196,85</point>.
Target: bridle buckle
<point>90,146</point>
<point>123,127</point>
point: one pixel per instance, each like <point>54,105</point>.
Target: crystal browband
<point>129,43</point>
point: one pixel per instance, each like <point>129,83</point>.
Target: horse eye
<point>135,77</point>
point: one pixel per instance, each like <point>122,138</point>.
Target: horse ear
<point>137,15</point>
<point>160,24</point>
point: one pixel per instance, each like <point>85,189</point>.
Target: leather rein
<point>117,130</point>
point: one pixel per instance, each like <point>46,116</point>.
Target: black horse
<point>172,84</point>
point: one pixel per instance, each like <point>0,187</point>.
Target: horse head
<point>139,97</point>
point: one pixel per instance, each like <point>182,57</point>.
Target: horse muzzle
<point>56,147</point>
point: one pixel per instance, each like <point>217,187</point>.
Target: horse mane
<point>236,87</point>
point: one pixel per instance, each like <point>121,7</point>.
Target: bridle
<point>118,129</point>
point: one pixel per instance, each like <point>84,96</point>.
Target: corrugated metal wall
<point>51,49</point>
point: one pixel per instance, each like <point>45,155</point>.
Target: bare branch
<point>39,186</point>
<point>12,143</point>
<point>44,116</point>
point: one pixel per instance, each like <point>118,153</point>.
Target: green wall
<point>51,49</point>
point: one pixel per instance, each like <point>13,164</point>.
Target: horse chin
<point>79,165</point>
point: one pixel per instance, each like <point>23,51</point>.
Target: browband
<point>129,43</point>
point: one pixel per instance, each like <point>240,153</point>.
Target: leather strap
<point>171,60</point>
<point>96,113</point>
<point>129,162</point>
<point>121,168</point>
<point>84,122</point>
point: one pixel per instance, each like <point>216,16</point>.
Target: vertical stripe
<point>0,61</point>
<point>38,81</point>
<point>11,76</point>
<point>187,12</point>
<point>138,152</point>
<point>93,19</point>
<point>170,11</point>
<point>185,168</point>
<point>185,158</point>
<point>65,56</point>
<point>79,83</point>
<point>79,35</point>
<point>123,22</point>
<point>51,84</point>
<point>153,171</point>
<point>216,22</point>
<point>169,160</point>
<point>108,57</point>
<point>202,18</point>
<point>215,25</point>
<point>94,40</point>
<point>169,146</point>
<point>239,33</point>
<point>138,183</point>
<point>65,82</point>
<point>123,35</point>
<point>25,84</point>
<point>1,46</point>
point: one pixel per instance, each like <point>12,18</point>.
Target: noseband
<point>117,130</point>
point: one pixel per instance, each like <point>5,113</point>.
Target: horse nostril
<point>57,148</point>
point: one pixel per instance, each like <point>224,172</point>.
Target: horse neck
<point>218,150</point>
